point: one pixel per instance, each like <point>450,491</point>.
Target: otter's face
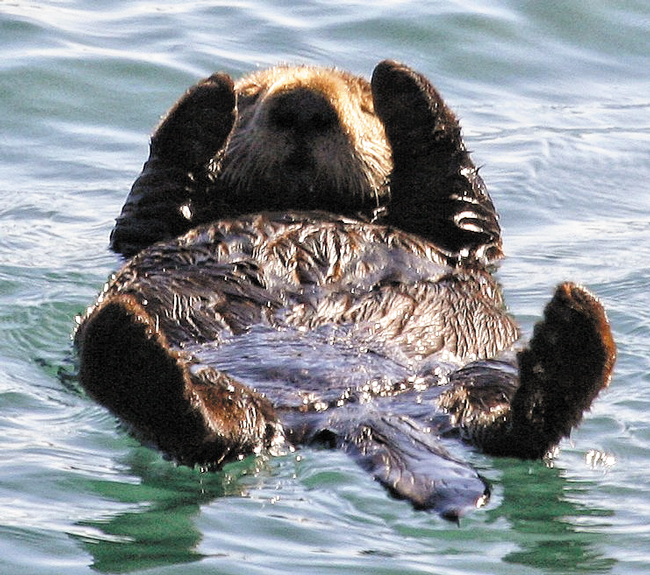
<point>306,138</point>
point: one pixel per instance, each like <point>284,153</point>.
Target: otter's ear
<point>436,191</point>
<point>197,126</point>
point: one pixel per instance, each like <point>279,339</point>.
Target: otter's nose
<point>302,110</point>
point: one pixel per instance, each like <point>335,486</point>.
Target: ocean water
<point>554,98</point>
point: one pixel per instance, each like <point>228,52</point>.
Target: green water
<point>554,98</point>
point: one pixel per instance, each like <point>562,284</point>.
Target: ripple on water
<point>554,105</point>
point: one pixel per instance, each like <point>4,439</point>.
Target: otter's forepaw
<point>198,125</point>
<point>569,360</point>
<point>170,195</point>
<point>414,114</point>
<point>436,190</point>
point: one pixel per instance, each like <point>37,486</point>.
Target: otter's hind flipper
<point>408,461</point>
<point>193,413</point>
<point>568,361</point>
<point>436,191</point>
<point>174,184</point>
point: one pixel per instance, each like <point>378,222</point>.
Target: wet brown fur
<point>310,138</point>
<point>290,137</point>
<point>307,130</point>
<point>362,315</point>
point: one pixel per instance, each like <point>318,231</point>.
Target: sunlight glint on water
<point>554,104</point>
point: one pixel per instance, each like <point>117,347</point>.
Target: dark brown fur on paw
<point>436,190</point>
<point>198,124</point>
<point>569,360</point>
<point>416,119</point>
<point>195,414</point>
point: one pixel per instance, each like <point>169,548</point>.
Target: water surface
<point>554,101</point>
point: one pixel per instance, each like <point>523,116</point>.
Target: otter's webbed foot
<point>436,191</point>
<point>568,361</point>
<point>172,193</point>
<point>195,414</point>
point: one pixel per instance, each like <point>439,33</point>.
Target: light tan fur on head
<point>303,131</point>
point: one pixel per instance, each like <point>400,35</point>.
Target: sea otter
<point>338,291</point>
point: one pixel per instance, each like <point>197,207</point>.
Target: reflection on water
<point>547,519</point>
<point>159,527</point>
<point>553,98</point>
<point>546,516</point>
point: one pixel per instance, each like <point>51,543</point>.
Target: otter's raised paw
<point>195,414</point>
<point>570,358</point>
<point>175,190</point>
<point>436,191</point>
<point>415,116</point>
<point>198,124</point>
<point>568,361</point>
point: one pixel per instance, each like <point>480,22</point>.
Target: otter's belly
<point>321,368</point>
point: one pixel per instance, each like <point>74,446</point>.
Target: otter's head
<point>305,138</point>
<point>309,138</point>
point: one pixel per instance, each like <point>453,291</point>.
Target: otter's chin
<point>306,190</point>
<point>305,177</point>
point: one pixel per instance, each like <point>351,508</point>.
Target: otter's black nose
<point>302,110</point>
